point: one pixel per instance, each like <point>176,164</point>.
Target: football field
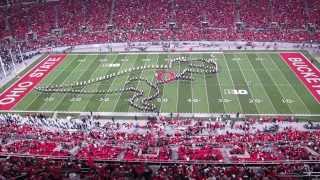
<point>246,82</point>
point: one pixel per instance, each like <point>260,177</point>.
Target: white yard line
<point>77,78</point>
<point>153,79</point>
<point>152,52</point>
<point>206,91</point>
<point>261,84</point>
<point>279,89</point>
<point>177,102</point>
<point>39,94</point>
<point>162,87</point>
<point>247,84</point>
<point>205,85</point>
<point>148,114</point>
<point>194,52</point>
<point>258,84</point>
<point>113,80</point>
<point>220,87</point>
<point>237,97</point>
<point>141,75</point>
<point>115,104</point>
<point>112,61</point>
<point>283,76</point>
<point>192,107</point>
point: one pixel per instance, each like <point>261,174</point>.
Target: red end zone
<point>17,91</point>
<point>307,73</point>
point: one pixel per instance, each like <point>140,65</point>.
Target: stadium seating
<point>255,14</point>
<point>150,14</point>
<point>314,12</point>
<point>193,141</point>
<point>166,140</point>
<point>33,168</point>
<point>85,22</point>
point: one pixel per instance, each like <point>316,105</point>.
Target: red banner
<point>17,91</point>
<point>306,72</point>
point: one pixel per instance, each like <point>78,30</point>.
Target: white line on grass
<point>113,80</point>
<point>91,96</point>
<point>152,52</point>
<point>220,87</point>
<point>76,77</point>
<point>126,114</point>
<point>283,76</point>
<point>153,79</point>
<point>257,84</point>
<point>162,88</point>
<point>190,58</point>
<point>205,84</point>
<point>177,102</point>
<point>141,75</point>
<point>275,82</point>
<point>237,97</point>
<point>264,90</point>
<point>115,104</point>
<point>247,84</point>
<point>193,52</point>
<point>50,82</point>
<point>206,93</point>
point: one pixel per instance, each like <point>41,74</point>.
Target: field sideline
<point>252,82</point>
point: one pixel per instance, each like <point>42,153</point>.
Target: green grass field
<point>272,87</point>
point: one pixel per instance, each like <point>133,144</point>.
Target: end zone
<point>305,71</point>
<point>18,90</point>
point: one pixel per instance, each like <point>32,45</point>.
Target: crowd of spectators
<point>59,23</point>
<point>66,145</point>
<point>314,12</point>
<point>163,140</point>
<point>146,14</point>
<point>11,57</point>
<point>41,168</point>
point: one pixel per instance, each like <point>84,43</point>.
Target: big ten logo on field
<point>236,91</point>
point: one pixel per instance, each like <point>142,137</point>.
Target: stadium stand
<point>205,20</point>
<point>168,141</point>
<point>32,168</point>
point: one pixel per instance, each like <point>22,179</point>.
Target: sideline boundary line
<point>131,114</point>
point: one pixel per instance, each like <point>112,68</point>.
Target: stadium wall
<point>172,46</point>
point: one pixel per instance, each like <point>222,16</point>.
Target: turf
<point>272,87</point>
